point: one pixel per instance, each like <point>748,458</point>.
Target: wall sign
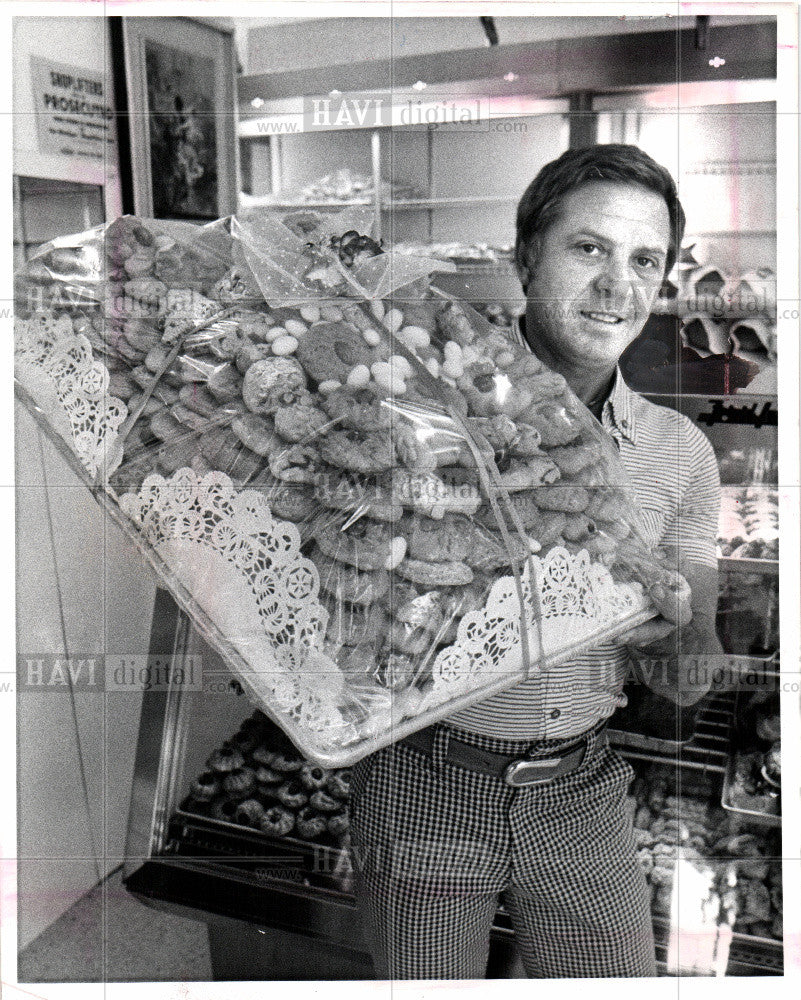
<point>74,113</point>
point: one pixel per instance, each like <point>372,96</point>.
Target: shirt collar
<point>618,409</point>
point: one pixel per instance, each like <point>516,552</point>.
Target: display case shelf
<point>707,751</point>
<point>730,564</point>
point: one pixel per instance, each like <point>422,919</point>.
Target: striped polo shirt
<point>673,470</point>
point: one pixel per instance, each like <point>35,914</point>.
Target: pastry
<point>338,824</point>
<point>322,801</point>
<point>285,763</point>
<point>570,499</point>
<point>225,760</point>
<point>309,823</point>
<point>313,777</point>
<point>338,783</point>
<point>300,421</point>
<point>240,782</point>
<point>277,821</point>
<point>205,786</point>
<point>267,779</point>
<point>224,808</point>
<point>249,812</point>
<point>292,794</point>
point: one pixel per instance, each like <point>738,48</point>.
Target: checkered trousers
<point>435,846</point>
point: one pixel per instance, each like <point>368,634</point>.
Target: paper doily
<point>57,367</point>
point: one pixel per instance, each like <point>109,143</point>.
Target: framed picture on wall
<point>181,103</point>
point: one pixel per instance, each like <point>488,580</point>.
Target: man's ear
<point>523,270</point>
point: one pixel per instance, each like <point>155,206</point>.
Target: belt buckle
<point>514,774</point>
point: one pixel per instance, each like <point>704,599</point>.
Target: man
<point>440,832</point>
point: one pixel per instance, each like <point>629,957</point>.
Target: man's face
<point>597,272</point>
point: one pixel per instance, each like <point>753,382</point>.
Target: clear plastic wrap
<point>384,508</point>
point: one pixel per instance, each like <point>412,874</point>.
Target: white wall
<point>79,41</point>
<point>76,750</point>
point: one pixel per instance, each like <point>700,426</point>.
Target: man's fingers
<point>648,632</point>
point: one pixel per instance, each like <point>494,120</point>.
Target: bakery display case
<point>231,826</point>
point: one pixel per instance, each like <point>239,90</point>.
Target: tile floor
<point>109,936</point>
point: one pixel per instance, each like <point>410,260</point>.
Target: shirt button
<point>624,424</point>
<point>555,713</point>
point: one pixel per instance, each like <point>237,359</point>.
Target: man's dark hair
<point>542,200</point>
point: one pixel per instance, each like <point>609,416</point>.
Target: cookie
<point>570,460</point>
<point>350,625</point>
<point>190,419</point>
<point>329,351</point>
<point>570,499</point>
<point>257,433</point>
<point>489,552</point>
<point>296,464</point>
<point>225,383</point>
<point>395,671</point>
<point>434,573</point>
<point>289,501</point>
<point>577,527</point>
<point>220,448</point>
<point>348,584</point>
<point>366,545</point>
<point>447,539</point>
<point>554,423</point>
<point>431,495</point>
<point>411,640</point>
<point>413,450</point>
<point>337,492</point>
<point>300,421</point>
<point>171,457</point>
<point>244,466</point>
<point>365,453</point>
<point>271,384</point>
<point>526,474</point>
<point>197,397</point>
<point>357,410</point>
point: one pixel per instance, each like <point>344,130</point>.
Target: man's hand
<point>679,663</point>
<point>676,663</point>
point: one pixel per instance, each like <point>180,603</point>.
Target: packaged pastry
<point>377,506</point>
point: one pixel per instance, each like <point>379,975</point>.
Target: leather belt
<point>515,770</point>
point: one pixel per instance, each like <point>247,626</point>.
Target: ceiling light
<point>334,93</point>
<point>717,62</point>
<point>419,85</point>
<point>257,102</point>
<point>510,77</point>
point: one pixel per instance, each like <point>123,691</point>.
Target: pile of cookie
<point>421,453</point>
<point>743,866</point>
<point>258,780</point>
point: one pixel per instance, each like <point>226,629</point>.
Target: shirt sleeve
<point>692,532</point>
